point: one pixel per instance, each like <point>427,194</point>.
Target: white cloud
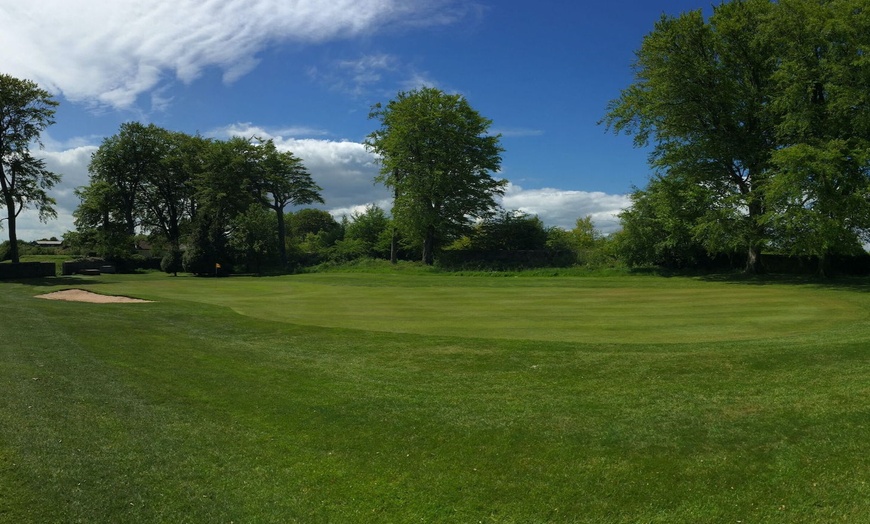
<point>562,208</point>
<point>109,52</point>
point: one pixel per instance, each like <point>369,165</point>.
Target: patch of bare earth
<point>80,295</point>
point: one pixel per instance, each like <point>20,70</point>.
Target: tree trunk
<point>823,265</point>
<point>753,255</point>
<point>13,235</point>
<point>282,234</point>
<point>429,246</point>
<point>753,261</point>
<point>9,201</point>
<point>394,247</point>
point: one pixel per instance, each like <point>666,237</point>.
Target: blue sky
<point>305,73</point>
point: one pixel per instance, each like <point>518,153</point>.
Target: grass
<point>435,398</point>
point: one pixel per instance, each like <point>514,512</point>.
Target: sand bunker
<point>80,295</point>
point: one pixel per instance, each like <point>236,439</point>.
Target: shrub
<point>171,262</point>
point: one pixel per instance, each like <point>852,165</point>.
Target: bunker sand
<point>80,295</point>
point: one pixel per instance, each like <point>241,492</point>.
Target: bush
<point>171,262</point>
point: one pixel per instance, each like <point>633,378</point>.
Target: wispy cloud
<point>247,129</point>
<point>379,75</point>
<point>357,76</point>
<point>110,52</point>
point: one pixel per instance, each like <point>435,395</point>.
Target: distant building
<point>48,243</point>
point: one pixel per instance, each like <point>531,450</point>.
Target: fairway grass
<point>432,398</point>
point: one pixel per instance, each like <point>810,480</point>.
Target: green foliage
<point>279,181</point>
<point>312,221</point>
<point>436,155</point>
<point>584,242</point>
<point>6,250</point>
<point>141,180</point>
<point>177,187</point>
<point>172,262</point>
<point>26,111</point>
<point>207,249</point>
<point>371,230</point>
<point>510,231</point>
<point>660,226</point>
<point>818,201</point>
<point>760,112</point>
<point>253,236</point>
<point>701,96</point>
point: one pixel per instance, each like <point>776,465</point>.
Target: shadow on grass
<point>840,282</point>
<point>59,281</point>
<point>845,283</point>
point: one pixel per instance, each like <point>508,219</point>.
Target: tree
<point>435,153</point>
<point>818,204</point>
<point>25,111</point>
<point>314,232</point>
<point>762,110</point>
<point>125,162</point>
<point>282,181</point>
<point>222,192</point>
<point>310,221</point>
<point>141,180</point>
<point>167,192</point>
<point>510,231</point>
<point>372,229</point>
<point>253,235</point>
<point>660,226</point>
<point>702,96</point>
<point>97,223</point>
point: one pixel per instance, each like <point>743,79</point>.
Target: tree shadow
<point>838,282</point>
<point>57,281</point>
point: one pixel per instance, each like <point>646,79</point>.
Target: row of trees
<point>759,122</point>
<point>212,196</point>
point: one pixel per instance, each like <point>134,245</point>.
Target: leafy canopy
<point>437,156</point>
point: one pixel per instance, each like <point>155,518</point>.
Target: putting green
<point>589,310</point>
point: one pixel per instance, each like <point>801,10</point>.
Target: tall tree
<point>282,180</point>
<point>97,222</point>
<point>702,97</point>
<point>25,111</point>
<point>763,109</point>
<point>126,161</point>
<point>166,199</point>
<point>436,154</point>
<point>221,193</point>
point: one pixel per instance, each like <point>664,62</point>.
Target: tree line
<point>223,201</point>
<point>757,119</point>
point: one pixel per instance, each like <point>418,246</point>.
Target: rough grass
<point>320,398</point>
